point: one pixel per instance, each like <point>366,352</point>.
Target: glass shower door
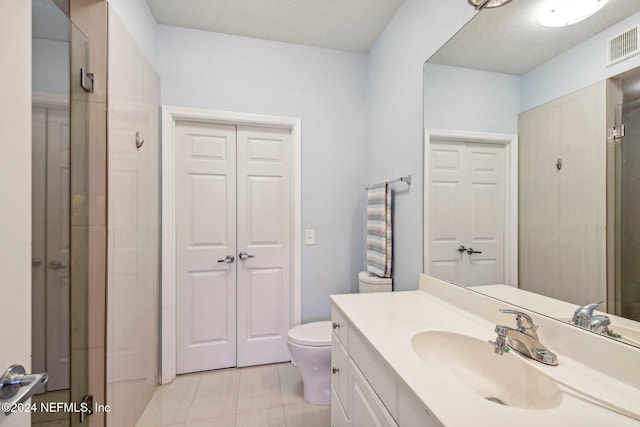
<point>627,215</point>
<point>59,279</point>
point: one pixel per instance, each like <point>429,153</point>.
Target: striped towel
<point>379,229</point>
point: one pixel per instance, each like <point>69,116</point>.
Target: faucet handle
<point>588,308</point>
<point>582,316</point>
<point>524,320</point>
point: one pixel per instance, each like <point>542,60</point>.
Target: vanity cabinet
<point>364,389</point>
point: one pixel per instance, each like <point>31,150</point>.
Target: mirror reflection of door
<point>467,205</point>
<point>50,208</point>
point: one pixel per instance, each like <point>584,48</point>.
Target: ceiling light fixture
<point>560,13</point>
<point>488,4</point>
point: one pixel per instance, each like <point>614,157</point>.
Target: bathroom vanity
<point>423,358</point>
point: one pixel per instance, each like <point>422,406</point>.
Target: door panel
<point>467,205</point>
<point>206,224</point>
<point>264,231</point>
<point>39,239</point>
<point>447,207</point>
<point>57,260</point>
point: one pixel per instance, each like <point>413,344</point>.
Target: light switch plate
<point>309,237</point>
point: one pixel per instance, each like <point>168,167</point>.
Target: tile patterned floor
<point>257,396</point>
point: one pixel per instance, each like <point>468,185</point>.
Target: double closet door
<point>467,206</point>
<point>234,245</point>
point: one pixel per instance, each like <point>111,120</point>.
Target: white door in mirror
<point>467,206</point>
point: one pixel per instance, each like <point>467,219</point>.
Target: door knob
<point>228,260</point>
<point>16,386</point>
<point>56,265</point>
<point>471,251</point>
<point>462,249</point>
<point>244,255</point>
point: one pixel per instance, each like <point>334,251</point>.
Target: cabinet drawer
<point>340,326</point>
<point>366,408</point>
<point>374,368</point>
<point>340,372</point>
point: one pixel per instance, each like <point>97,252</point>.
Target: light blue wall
<point>327,89</point>
<point>139,21</point>
<point>395,139</point>
<point>576,68</point>
<point>463,99</point>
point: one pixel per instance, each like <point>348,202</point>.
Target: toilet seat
<point>314,334</point>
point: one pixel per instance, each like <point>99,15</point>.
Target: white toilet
<point>369,282</point>
<point>310,347</point>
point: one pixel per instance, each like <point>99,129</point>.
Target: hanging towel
<point>379,229</point>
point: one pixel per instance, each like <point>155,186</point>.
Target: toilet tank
<point>369,282</point>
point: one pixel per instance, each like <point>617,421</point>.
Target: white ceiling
<point>510,40</point>
<point>351,25</point>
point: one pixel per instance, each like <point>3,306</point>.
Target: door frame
<point>170,115</point>
<point>510,142</point>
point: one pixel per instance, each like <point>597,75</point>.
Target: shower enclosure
<point>627,209</point>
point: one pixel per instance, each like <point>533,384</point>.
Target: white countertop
<point>390,320</point>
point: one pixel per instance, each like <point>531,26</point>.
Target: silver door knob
<point>228,260</point>
<point>16,386</point>
<point>462,249</point>
<point>36,262</point>
<point>56,265</point>
<point>244,255</point>
<point>471,251</point>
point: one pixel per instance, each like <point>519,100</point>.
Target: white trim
<point>510,142</point>
<point>169,117</point>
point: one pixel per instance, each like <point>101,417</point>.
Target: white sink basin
<point>506,379</point>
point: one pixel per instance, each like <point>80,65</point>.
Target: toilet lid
<point>315,334</point>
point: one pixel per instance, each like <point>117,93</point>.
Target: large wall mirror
<point>529,182</point>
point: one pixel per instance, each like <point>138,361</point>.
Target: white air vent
<point>622,46</point>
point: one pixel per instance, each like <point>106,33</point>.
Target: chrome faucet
<point>523,339</point>
<point>583,317</point>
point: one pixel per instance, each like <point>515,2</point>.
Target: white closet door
<point>448,207</point>
<point>57,260</point>
<point>39,239</point>
<point>264,233</point>
<point>487,210</point>
<point>467,206</point>
<point>206,233</point>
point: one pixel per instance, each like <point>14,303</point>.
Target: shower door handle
<point>16,386</point>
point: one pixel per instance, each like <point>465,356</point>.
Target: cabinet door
<point>340,372</point>
<point>366,407</point>
<point>338,415</point>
